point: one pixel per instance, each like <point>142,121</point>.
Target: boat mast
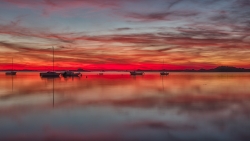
<point>53,58</point>
<point>12,63</point>
<point>162,64</point>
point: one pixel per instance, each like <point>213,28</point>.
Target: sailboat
<point>164,72</point>
<point>50,73</point>
<point>11,72</point>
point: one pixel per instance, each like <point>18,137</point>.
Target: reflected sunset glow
<point>117,106</point>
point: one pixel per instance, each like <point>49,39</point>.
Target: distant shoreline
<point>217,69</point>
<point>147,71</point>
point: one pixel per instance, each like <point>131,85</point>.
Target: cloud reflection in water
<point>181,106</point>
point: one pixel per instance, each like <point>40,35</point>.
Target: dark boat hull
<point>71,74</point>
<point>11,73</point>
<point>49,74</point>
<point>164,73</point>
<point>136,73</point>
<point>74,75</point>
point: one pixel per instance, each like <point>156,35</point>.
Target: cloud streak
<point>177,31</point>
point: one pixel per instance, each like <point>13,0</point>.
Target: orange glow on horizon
<point>118,67</point>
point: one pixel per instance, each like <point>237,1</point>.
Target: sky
<point>124,34</point>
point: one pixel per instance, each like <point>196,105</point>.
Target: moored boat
<point>164,73</point>
<point>136,73</point>
<point>71,74</point>
<point>10,73</point>
<point>50,74</point>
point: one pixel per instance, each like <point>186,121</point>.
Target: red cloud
<point>186,47</point>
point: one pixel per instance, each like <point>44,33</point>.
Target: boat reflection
<point>181,106</point>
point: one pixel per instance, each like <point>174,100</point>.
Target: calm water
<point>119,107</point>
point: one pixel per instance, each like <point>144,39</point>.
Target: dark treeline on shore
<point>217,69</point>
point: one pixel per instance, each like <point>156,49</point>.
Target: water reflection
<point>181,106</point>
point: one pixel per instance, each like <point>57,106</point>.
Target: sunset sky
<point>124,34</point>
